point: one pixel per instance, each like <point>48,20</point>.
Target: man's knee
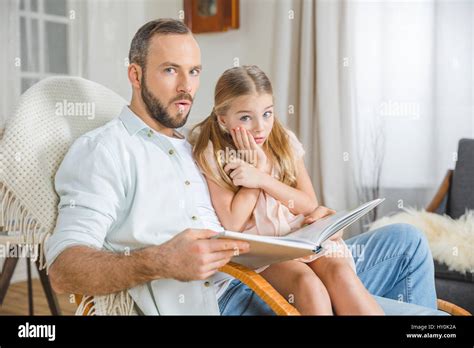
<point>412,237</point>
<point>407,238</point>
<point>414,244</point>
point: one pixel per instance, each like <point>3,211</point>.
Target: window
<point>44,35</point>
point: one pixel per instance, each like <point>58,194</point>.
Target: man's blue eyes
<point>194,72</point>
<point>267,114</point>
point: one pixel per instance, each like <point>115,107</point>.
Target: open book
<point>266,250</point>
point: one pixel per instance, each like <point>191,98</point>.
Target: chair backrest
<point>461,192</point>
<point>50,116</point>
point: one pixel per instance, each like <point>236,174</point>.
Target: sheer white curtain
<point>105,39</point>
<point>382,92</point>
<point>313,94</point>
<point>413,80</point>
<point>10,63</point>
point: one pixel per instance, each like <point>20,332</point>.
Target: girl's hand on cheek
<point>259,154</point>
<point>252,153</point>
<point>241,141</point>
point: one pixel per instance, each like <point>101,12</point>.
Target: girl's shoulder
<point>295,144</point>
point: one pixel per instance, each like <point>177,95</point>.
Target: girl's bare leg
<point>300,286</point>
<point>348,295</point>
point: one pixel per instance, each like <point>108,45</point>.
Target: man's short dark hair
<point>140,42</point>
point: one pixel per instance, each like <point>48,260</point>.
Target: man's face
<point>171,78</point>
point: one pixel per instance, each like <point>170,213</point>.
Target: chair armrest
<point>441,193</point>
<point>261,287</point>
<point>451,308</point>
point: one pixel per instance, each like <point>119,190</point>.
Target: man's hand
<point>192,255</point>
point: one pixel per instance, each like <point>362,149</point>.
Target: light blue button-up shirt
<point>124,186</point>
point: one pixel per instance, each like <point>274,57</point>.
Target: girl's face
<point>254,113</point>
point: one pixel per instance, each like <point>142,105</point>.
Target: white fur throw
<point>451,241</point>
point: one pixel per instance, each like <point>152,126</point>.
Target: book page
<point>349,219</point>
<point>312,233</point>
<point>323,229</point>
<point>266,250</point>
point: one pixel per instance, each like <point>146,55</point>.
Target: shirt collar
<point>131,121</point>
<point>134,124</point>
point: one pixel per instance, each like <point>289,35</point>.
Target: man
<point>135,213</point>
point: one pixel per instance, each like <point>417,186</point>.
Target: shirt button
<point>194,217</point>
<point>207,284</point>
<point>150,133</point>
<point>187,182</point>
<point>171,151</point>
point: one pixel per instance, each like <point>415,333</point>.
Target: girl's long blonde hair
<point>233,83</point>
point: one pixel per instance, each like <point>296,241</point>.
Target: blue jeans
<point>394,262</point>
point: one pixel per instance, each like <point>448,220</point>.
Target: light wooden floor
<point>16,301</point>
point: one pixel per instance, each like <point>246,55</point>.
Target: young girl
<point>259,184</point>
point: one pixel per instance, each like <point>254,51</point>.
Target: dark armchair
<point>454,197</point>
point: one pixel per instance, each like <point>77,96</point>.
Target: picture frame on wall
<point>204,16</point>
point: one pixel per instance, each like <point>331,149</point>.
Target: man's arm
<point>85,270</point>
<point>190,255</point>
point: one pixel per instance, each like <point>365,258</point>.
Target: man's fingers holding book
<point>190,254</point>
<point>212,268</point>
<point>218,264</point>
<point>229,245</point>
<point>200,233</point>
<point>221,255</point>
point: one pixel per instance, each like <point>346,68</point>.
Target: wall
<point>108,48</point>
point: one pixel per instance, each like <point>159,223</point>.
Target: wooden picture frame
<point>204,16</point>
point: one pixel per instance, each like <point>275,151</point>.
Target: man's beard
<point>156,109</point>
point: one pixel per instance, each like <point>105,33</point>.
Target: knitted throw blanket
<point>49,117</point>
